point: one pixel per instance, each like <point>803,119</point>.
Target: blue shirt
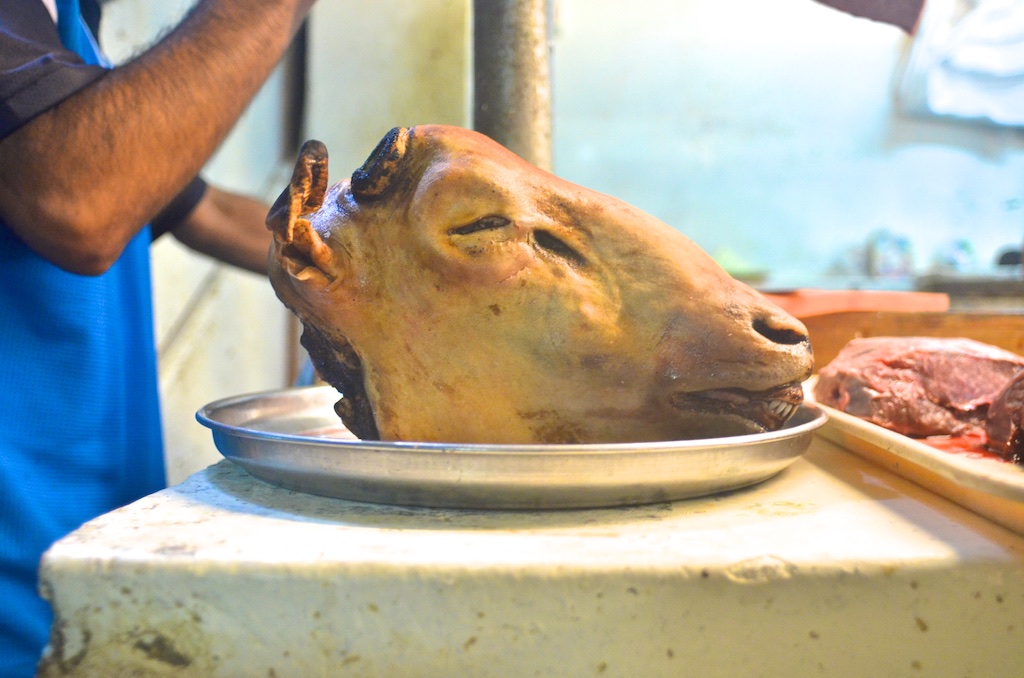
<point>79,411</point>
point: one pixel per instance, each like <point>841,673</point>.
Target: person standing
<point>94,163</point>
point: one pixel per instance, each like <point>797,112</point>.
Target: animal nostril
<point>779,335</point>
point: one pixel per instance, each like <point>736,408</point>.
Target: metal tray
<point>292,438</point>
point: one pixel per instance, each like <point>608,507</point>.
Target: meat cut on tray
<point>928,386</point>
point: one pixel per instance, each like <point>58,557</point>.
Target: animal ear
<point>376,176</point>
<point>299,245</point>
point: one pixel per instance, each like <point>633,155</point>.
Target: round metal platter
<point>292,438</point>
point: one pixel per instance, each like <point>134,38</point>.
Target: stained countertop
<point>833,567</point>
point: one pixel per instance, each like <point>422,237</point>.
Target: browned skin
<point>477,298</point>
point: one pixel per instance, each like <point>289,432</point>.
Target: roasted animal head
<point>453,292</point>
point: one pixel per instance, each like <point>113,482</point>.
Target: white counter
<point>834,567</point>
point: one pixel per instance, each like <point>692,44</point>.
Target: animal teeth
<point>781,408</point>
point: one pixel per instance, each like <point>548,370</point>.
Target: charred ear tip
<point>312,162</point>
<point>305,191</point>
<point>310,177</point>
<point>314,149</point>
<point>373,178</point>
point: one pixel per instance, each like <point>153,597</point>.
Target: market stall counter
<point>834,566</point>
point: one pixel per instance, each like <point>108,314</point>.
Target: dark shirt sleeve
<point>178,209</point>
<point>902,13</point>
<point>36,71</point>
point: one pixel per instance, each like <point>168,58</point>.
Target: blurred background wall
<point>769,133</point>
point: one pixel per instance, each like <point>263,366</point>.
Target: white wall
<point>766,131</point>
<point>374,66</point>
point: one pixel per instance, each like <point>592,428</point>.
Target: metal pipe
<point>512,76</point>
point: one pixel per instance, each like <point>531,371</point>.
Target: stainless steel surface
<point>512,76</point>
<point>292,438</point>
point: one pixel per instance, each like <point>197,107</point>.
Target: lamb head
<point>452,292</point>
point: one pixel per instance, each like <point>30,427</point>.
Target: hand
<point>79,181</point>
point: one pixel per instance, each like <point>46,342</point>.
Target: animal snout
<point>781,329</point>
<point>788,341</point>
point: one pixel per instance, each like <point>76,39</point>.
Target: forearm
<point>87,175</point>
<point>228,227</point>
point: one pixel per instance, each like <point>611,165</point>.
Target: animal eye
<point>553,244</point>
<point>486,224</point>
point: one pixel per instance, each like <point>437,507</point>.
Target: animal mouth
<point>766,410</point>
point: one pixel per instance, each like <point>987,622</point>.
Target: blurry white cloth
<point>51,7</point>
<point>967,60</point>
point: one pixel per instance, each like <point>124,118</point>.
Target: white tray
<point>990,487</point>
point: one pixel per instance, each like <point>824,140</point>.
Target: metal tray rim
<point>267,435</point>
<point>207,417</point>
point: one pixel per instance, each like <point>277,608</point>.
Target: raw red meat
<point>918,386</point>
<point>1005,425</point>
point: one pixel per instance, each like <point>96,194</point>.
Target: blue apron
<point>79,412</point>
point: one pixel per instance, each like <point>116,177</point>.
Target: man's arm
<point>80,180</point>
<point>229,227</point>
<point>902,13</point>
